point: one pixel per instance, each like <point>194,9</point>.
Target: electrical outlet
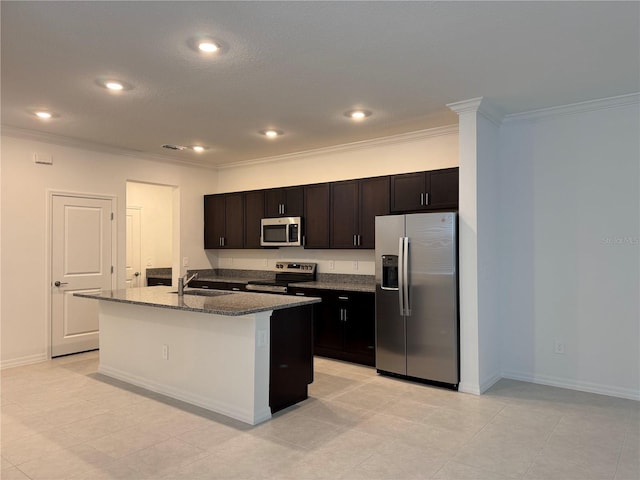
<point>185,261</point>
<point>558,347</point>
<point>165,352</point>
<point>332,264</point>
<point>262,338</point>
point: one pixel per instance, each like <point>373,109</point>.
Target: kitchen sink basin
<point>204,293</point>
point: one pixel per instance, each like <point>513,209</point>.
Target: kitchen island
<point>244,355</point>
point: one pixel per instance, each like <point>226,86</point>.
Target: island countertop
<point>218,302</point>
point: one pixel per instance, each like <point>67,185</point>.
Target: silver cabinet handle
<point>354,241</point>
<point>359,240</point>
<point>426,199</point>
<point>58,283</point>
<point>300,294</point>
<point>421,199</point>
<point>343,298</point>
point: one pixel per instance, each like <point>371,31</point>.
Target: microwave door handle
<point>400,276</point>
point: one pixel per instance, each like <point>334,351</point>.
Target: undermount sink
<point>204,293</point>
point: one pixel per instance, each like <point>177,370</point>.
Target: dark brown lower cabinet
<point>344,325</point>
<point>291,356</point>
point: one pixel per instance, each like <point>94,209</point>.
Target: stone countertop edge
<point>324,281</point>
<point>347,287</point>
<point>228,303</point>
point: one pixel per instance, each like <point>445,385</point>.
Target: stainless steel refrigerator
<point>417,296</point>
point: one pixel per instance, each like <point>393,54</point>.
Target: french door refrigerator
<point>417,296</point>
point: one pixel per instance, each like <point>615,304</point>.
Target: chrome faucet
<point>184,281</point>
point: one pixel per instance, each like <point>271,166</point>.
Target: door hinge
<point>111,215</point>
<point>111,268</point>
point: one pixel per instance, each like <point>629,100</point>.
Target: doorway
<point>149,230</point>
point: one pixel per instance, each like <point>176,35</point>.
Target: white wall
<point>426,150</point>
<point>156,206</point>
<point>24,320</point>
<point>569,249</point>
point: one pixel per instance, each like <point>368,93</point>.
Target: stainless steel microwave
<point>281,232</point>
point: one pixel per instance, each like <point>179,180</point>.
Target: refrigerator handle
<point>405,274</point>
<point>401,275</point>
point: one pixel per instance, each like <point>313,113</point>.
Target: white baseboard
<point>28,360</point>
<point>218,407</point>
<point>489,382</point>
<point>609,390</point>
<point>479,388</point>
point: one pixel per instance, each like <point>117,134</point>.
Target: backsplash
<point>352,262</point>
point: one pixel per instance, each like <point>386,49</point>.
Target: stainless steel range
<point>286,273</point>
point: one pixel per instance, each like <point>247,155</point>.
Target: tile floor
<point>62,420</point>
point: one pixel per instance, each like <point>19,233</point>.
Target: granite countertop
<point>223,303</point>
<point>324,281</point>
<point>346,286</point>
<point>225,279</point>
<point>163,273</point>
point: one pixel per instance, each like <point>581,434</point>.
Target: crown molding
<point>99,147</point>
<point>574,108</point>
<point>478,105</point>
<point>348,147</point>
<point>65,141</point>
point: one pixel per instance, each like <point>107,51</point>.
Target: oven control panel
<point>295,267</point>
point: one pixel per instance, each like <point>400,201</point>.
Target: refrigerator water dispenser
<point>389,272</point>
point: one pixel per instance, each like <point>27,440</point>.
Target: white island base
<point>217,362</point>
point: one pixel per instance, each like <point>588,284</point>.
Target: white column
<point>478,206</point>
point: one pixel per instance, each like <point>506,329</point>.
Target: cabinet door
<point>234,220</point>
<point>374,200</point>
<point>328,328</point>
<point>359,326</point>
<point>284,202</point>
<point>444,189</point>
<point>407,192</point>
<point>293,202</point>
<point>253,213</point>
<point>316,215</point>
<point>344,214</point>
<point>214,220</point>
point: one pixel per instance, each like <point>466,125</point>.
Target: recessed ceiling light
<point>113,85</point>
<point>198,148</point>
<point>207,46</point>
<point>271,133</point>
<point>43,114</point>
<point>357,114</point>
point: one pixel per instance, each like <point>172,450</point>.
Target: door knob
<point>137,274</point>
<point>58,283</point>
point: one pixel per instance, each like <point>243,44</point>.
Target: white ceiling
<point>298,66</point>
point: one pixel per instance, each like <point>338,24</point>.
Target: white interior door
<point>81,261</point>
<point>133,268</point>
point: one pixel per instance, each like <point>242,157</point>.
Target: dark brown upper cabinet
<point>316,215</point>
<point>224,220</point>
<point>424,191</point>
<point>354,206</point>
<point>253,213</point>
<point>284,202</point>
